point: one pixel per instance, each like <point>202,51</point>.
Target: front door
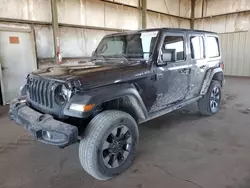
<point>17,60</point>
<point>173,78</point>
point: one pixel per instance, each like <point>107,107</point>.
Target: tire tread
<point>90,140</point>
<point>203,103</point>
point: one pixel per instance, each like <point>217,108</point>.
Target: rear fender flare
<point>208,79</point>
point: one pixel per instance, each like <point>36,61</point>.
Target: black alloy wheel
<point>116,147</point>
<point>215,99</point>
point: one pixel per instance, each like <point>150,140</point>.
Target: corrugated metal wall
<point>225,24</point>
<point>156,20</point>
<point>235,53</point>
<point>234,30</point>
<point>181,8</point>
<point>217,7</point>
<point>80,42</point>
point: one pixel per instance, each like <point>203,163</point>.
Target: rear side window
<point>212,47</point>
<point>175,44</point>
<point>197,47</point>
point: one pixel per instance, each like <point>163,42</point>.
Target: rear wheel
<point>211,102</point>
<point>109,144</point>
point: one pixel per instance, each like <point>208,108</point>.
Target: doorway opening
<point>17,60</point>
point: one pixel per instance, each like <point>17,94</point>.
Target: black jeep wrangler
<point>132,77</point>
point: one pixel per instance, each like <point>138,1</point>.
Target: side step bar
<point>169,109</point>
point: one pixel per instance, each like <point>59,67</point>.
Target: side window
<point>197,47</point>
<point>212,47</point>
<point>174,45</point>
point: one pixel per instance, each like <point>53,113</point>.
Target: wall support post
<point>56,37</point>
<point>144,13</point>
<point>192,13</point>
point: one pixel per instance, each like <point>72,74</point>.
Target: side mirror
<point>167,57</point>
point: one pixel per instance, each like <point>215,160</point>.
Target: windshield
<point>137,45</point>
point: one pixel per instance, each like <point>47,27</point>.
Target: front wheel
<point>109,144</point>
<point>211,102</point>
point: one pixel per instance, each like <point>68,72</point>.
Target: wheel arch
<point>127,103</point>
<point>120,97</point>
<point>212,74</point>
<point>219,76</point>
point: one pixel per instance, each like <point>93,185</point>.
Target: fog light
<point>53,136</point>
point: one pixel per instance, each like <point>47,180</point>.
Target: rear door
<point>205,54</point>
<point>199,66</point>
<point>173,77</point>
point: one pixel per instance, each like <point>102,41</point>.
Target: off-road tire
<point>204,103</point>
<point>90,151</point>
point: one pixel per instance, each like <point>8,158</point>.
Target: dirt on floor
<point>178,150</point>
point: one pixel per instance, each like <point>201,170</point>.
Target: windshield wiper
<point>96,57</point>
<point>122,56</point>
<point>105,58</point>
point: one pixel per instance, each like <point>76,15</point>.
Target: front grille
<point>40,92</point>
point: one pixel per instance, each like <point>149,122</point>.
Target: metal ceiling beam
<point>224,14</point>
<point>123,4</point>
<point>55,27</point>
<point>166,14</point>
<point>93,27</point>
<point>20,21</point>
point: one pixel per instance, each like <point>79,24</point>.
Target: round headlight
<point>62,94</point>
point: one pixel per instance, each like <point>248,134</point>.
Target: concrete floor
<point>178,150</point>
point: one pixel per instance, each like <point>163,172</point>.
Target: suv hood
<point>87,76</point>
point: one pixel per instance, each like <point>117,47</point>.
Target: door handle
<point>3,68</point>
<point>185,71</point>
<point>203,67</point>
<point>158,76</point>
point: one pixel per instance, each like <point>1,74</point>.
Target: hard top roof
<point>164,29</point>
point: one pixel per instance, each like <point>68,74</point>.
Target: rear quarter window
<point>212,47</point>
<point>197,47</point>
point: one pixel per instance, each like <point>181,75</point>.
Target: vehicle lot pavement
<point>178,150</point>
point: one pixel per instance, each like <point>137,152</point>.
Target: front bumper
<point>38,124</point>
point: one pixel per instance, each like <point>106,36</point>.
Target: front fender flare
<point>100,95</point>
